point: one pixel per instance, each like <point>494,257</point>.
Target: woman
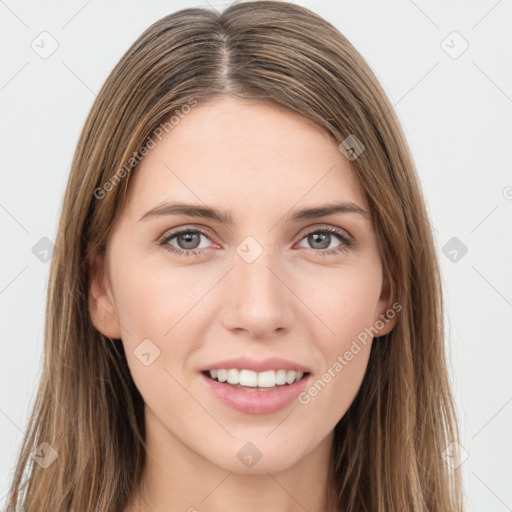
<point>245,309</point>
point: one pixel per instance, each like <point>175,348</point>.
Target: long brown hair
<point>388,451</point>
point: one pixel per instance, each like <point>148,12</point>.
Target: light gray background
<point>457,115</point>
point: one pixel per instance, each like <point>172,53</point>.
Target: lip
<point>256,402</point>
<point>244,362</point>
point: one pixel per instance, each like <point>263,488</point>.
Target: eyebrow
<point>197,210</point>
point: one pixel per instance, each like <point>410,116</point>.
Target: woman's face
<point>261,286</point>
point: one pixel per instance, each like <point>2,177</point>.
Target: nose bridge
<point>253,265</point>
<point>259,299</point>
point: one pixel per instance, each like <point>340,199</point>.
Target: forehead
<point>247,155</point>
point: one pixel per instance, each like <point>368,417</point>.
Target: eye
<point>321,238</point>
<point>189,240</point>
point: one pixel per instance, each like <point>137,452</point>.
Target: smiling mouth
<point>268,381</point>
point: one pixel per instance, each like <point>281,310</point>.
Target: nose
<point>257,299</point>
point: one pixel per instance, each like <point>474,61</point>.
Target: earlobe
<point>101,304</point>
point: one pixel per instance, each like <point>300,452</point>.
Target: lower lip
<point>256,402</point>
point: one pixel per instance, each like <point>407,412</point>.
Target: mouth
<point>256,386</point>
<point>248,380</point>
<point>252,392</point>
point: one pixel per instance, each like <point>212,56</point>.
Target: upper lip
<point>244,362</point>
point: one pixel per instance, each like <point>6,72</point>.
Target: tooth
<point>233,376</point>
<point>281,377</point>
<point>248,378</point>
<point>267,379</point>
<point>290,376</point>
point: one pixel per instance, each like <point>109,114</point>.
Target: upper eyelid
<point>328,228</point>
<point>171,233</point>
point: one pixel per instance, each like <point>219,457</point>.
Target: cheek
<point>331,393</point>
<point>346,306</point>
<point>159,304</point>
<point>154,306</point>
<point>345,302</point>
<point>152,300</point>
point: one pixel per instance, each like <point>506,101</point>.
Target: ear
<point>387,309</point>
<point>101,304</point>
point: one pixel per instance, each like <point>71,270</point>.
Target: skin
<point>261,163</point>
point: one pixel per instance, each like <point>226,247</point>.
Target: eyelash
<point>343,247</point>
